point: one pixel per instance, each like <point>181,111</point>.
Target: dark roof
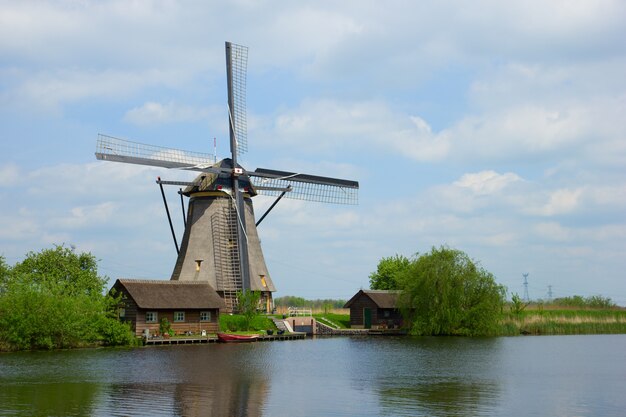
<point>214,182</point>
<point>382,298</point>
<point>171,294</point>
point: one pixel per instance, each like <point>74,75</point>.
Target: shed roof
<point>382,298</point>
<point>171,294</point>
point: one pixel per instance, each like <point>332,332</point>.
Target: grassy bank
<point>235,323</point>
<point>340,320</point>
<point>563,322</point>
<point>538,321</point>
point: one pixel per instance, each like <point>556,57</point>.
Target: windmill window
<point>151,316</point>
<point>198,263</point>
<point>179,316</point>
<point>205,316</point>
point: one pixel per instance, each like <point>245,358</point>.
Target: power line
<point>526,297</point>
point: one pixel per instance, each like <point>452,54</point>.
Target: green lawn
<point>234,323</point>
<point>342,320</point>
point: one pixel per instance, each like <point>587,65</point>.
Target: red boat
<point>229,338</point>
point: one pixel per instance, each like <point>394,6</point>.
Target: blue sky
<point>496,129</point>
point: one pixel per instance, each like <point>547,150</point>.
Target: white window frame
<point>176,317</point>
<point>208,314</point>
<point>155,319</point>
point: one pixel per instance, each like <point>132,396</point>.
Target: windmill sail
<point>305,187</point>
<point>237,56</point>
<point>109,148</point>
<point>220,244</point>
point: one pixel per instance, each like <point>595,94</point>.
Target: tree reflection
<point>448,398</point>
<point>48,399</point>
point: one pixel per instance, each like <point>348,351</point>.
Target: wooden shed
<point>374,309</point>
<point>189,306</point>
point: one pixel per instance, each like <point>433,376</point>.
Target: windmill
<point>220,243</point>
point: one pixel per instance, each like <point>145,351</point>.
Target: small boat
<point>229,338</point>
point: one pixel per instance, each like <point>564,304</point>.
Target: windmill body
<point>209,250</point>
<point>220,244</point>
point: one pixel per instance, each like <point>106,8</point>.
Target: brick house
<point>189,306</point>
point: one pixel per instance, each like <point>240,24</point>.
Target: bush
<point>594,301</point>
<point>54,299</point>
<point>444,292</point>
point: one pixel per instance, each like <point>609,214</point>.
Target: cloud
<point>486,182</point>
<point>508,146</point>
<point>51,90</point>
<point>9,175</point>
<point>92,215</point>
<point>322,125</point>
<point>151,113</point>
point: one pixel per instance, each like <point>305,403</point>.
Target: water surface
<point>516,376</point>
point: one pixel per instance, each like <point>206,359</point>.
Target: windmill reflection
<point>222,384</point>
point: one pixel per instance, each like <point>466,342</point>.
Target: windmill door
<point>367,318</point>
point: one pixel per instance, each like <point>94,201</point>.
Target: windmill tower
<point>220,244</point>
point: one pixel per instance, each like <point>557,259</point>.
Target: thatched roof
<point>382,298</point>
<point>161,294</point>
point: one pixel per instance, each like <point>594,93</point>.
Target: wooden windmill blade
<point>220,244</point>
<point>305,187</point>
<point>236,68</point>
<point>113,149</point>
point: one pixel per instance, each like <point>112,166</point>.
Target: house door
<point>367,318</point>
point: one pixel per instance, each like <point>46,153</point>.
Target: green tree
<point>4,273</point>
<point>54,299</point>
<point>444,292</point>
<point>517,304</point>
<point>61,271</point>
<point>387,271</point>
<point>291,301</point>
<point>248,306</point>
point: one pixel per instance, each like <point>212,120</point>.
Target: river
<point>341,376</point>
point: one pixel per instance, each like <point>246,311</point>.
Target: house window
<point>151,317</point>
<point>205,316</point>
<point>121,312</point>
<point>386,313</point>
<point>179,316</point>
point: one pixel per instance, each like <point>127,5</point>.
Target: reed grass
<point>564,322</point>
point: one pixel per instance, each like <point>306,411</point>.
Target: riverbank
<point>541,321</point>
<point>538,320</point>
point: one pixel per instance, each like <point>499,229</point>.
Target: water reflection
<point>442,398</point>
<point>205,381</point>
<point>222,383</point>
<point>48,399</point>
<point>561,376</point>
<point>431,376</point>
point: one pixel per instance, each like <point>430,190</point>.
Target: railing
<point>328,322</point>
<point>299,311</point>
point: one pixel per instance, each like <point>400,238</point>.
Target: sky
<point>496,128</point>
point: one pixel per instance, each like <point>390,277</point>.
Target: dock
<point>213,339</point>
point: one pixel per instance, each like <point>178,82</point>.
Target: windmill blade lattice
<point>305,187</point>
<point>239,62</point>
<point>120,150</point>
